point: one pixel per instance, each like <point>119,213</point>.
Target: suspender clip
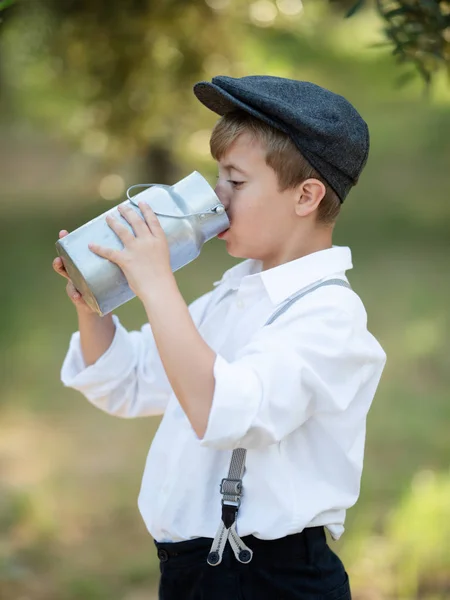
<point>234,503</point>
<point>229,513</point>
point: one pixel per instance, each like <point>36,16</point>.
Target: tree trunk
<point>159,166</point>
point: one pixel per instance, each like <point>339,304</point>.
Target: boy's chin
<point>236,252</point>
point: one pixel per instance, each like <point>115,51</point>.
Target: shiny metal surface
<point>102,283</point>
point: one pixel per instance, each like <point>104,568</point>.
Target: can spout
<point>196,199</point>
<point>199,196</point>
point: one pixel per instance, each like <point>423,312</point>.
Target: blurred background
<point>96,96</point>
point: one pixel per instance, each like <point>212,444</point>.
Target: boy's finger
<point>150,218</point>
<point>63,233</point>
<point>72,291</point>
<point>58,266</point>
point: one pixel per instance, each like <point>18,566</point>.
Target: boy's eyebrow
<point>231,166</point>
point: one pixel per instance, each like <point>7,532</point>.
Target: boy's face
<point>263,219</point>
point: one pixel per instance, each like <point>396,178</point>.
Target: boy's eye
<point>235,183</point>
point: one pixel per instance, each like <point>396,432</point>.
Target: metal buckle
<point>235,503</point>
<point>235,491</point>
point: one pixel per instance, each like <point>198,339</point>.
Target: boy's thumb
<point>72,292</point>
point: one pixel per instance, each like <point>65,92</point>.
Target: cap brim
<point>216,99</point>
<point>221,102</point>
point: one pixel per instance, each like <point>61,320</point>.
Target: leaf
<point>398,12</point>
<point>5,3</point>
<point>405,78</point>
<point>355,8</point>
<point>380,45</point>
<point>431,6</point>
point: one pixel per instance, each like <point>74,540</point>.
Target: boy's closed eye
<point>235,184</point>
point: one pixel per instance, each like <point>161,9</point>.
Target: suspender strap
<point>231,486</point>
<point>298,295</point>
<point>231,490</point>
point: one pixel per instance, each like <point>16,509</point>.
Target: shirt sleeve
<point>128,380</point>
<point>293,368</point>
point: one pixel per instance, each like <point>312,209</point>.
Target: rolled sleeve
<point>258,399</point>
<point>101,376</point>
<point>288,372</point>
<point>232,413</point>
<point>129,379</point>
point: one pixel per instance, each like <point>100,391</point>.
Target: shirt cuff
<point>236,400</point>
<point>97,378</point>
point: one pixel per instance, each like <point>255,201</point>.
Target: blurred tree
<point>116,77</point>
<point>120,73</point>
<point>5,3</point>
<point>419,30</point>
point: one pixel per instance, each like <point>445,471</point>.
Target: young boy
<point>274,369</point>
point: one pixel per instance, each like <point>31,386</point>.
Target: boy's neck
<point>322,241</point>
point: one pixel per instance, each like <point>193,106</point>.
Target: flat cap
<point>324,126</point>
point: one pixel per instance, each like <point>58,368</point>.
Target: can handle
<point>218,209</point>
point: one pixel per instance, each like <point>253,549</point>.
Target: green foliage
<point>5,3</point>
<point>121,73</point>
<point>420,33</point>
<point>418,30</point>
<point>116,77</point>
<point>355,8</point>
<point>411,558</point>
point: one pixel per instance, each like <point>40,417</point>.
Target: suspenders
<point>231,486</point>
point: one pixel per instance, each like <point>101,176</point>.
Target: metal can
<point>190,214</point>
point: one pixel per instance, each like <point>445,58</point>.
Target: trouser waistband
<point>304,544</point>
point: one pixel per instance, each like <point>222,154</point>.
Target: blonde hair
<point>290,166</point>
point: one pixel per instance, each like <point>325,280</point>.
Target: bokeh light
<point>290,8</point>
<point>111,187</point>
<point>262,12</point>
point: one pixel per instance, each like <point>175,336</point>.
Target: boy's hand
<point>145,258</point>
<point>72,292</point>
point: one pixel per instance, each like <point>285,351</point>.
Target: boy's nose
<point>222,195</point>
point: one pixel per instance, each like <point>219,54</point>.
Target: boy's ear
<point>309,196</point>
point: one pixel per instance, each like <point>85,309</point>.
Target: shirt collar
<point>284,280</point>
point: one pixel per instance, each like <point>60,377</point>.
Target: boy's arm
<point>145,261</point>
<point>188,360</point>
<point>128,379</point>
<point>96,335</point>
<point>314,359</point>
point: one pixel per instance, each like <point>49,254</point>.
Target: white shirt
<point>294,393</point>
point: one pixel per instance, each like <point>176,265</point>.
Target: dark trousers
<point>297,567</point>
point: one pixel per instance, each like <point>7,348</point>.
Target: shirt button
<point>240,304</point>
<point>163,555</point>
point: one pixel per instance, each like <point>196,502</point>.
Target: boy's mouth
<point>222,235</point>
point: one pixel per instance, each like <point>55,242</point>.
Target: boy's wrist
<point>91,316</point>
<point>159,293</point>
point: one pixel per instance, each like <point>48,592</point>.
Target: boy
<point>274,368</point>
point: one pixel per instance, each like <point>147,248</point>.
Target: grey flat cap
<point>325,127</point>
